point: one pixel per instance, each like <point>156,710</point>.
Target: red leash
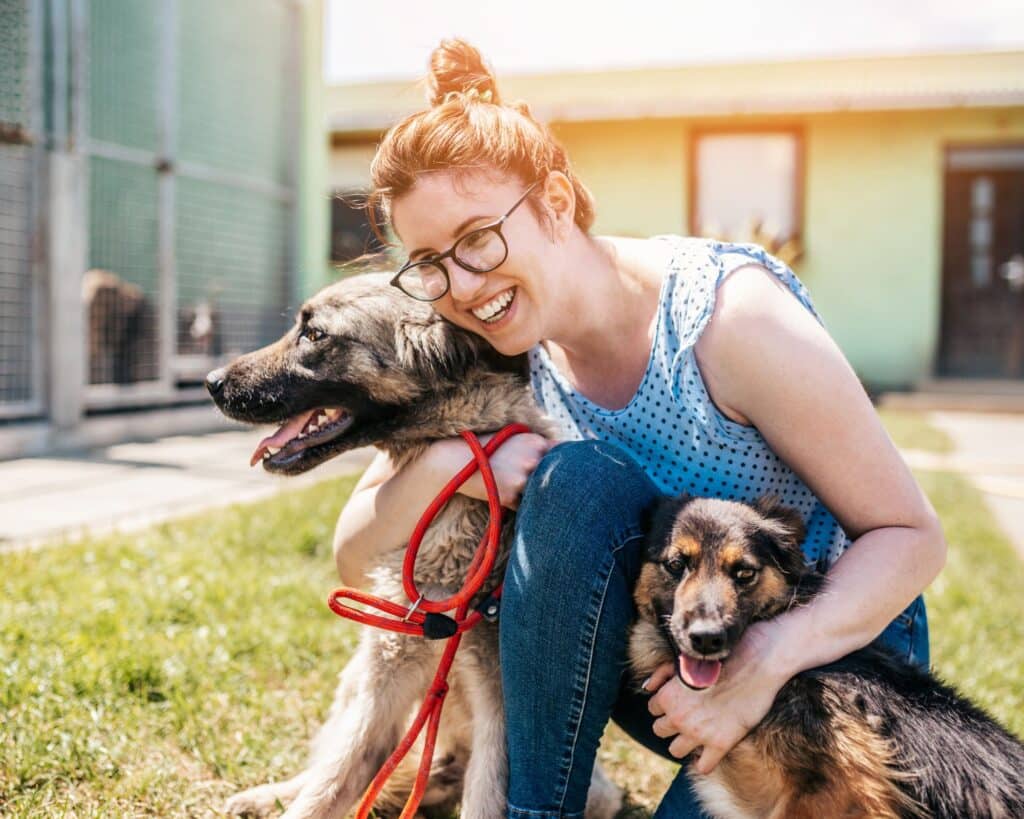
<point>426,618</point>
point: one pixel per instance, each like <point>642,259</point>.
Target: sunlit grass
<point>909,431</point>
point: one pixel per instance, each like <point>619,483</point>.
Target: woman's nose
<point>464,285</point>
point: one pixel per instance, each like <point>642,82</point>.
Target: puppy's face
<point>359,355</point>
<point>714,567</point>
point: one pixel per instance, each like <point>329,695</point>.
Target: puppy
<point>868,736</point>
<point>366,365</point>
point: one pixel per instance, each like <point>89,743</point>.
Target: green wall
<point>313,210</point>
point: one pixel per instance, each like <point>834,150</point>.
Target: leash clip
<point>412,609</point>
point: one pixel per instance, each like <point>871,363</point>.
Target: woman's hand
<point>511,464</point>
<point>718,717</point>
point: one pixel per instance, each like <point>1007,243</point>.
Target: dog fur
<point>867,736</point>
<point>405,378</point>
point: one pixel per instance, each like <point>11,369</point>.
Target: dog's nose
<point>707,642</point>
<point>215,381</point>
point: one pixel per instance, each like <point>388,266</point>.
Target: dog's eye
<point>308,333</point>
<point>745,576</point>
<point>676,565</point>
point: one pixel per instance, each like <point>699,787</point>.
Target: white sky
<point>367,40</point>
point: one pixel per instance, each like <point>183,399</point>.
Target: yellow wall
<point>873,213</point>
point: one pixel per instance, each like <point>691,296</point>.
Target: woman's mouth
<point>497,308</point>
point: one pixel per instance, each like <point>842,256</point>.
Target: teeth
<point>494,306</point>
<point>321,419</point>
<point>273,450</point>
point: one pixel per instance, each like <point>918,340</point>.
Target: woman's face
<point>506,305</point>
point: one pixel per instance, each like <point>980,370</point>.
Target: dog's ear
<point>658,519</point>
<point>781,531</point>
<point>448,351</point>
<point>434,346</point>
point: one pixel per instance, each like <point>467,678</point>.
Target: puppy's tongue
<point>698,673</point>
<point>287,431</point>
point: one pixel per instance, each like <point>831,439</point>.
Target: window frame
<point>797,132</point>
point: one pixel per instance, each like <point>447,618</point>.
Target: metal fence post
<point>68,232</point>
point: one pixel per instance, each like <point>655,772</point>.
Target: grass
<point>908,431</point>
<point>154,674</point>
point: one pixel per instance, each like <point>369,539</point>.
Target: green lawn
<point>153,674</point>
<point>908,432</point>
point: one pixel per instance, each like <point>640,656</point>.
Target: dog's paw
<point>263,800</point>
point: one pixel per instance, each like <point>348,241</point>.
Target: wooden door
<point>983,264</point>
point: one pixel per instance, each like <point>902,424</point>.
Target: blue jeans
<point>566,609</point>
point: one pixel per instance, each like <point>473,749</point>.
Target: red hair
<point>467,128</point>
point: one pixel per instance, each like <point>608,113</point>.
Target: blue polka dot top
<point>671,426</point>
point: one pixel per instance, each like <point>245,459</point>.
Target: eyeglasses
<point>479,251</point>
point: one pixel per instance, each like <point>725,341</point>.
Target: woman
<point>684,364</point>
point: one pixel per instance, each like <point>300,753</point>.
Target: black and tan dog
<point>868,736</point>
<point>366,365</point>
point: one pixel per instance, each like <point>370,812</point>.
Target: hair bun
<point>457,68</point>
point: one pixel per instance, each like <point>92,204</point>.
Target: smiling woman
<point>671,364</point>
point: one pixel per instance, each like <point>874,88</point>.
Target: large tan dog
<point>366,365</point>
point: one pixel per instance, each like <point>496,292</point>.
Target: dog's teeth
<point>321,418</point>
<point>273,450</point>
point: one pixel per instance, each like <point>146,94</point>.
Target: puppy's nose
<point>707,642</point>
<point>215,381</point>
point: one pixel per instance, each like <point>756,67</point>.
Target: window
<point>747,186</point>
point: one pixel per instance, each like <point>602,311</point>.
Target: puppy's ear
<point>781,531</point>
<point>658,520</point>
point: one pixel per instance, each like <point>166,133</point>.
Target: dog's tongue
<point>698,673</point>
<point>287,431</point>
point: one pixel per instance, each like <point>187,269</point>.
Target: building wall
<point>873,213</point>
<point>314,214</point>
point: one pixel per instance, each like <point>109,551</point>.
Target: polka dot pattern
<point>671,426</point>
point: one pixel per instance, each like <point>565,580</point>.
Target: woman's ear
<point>560,201</point>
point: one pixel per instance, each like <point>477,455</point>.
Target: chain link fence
<point>191,187</point>
<point>179,120</point>
<point>19,388</point>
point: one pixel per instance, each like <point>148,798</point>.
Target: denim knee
<point>566,608</point>
<point>583,498</point>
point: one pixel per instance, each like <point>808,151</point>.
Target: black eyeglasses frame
<point>436,260</point>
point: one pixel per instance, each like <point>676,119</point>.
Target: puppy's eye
<point>745,576</point>
<point>308,333</point>
<point>676,565</point>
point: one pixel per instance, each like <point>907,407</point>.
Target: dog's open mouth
<point>693,672</point>
<point>304,431</point>
<point>697,674</point>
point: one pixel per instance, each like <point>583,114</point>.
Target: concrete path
<point>130,486</point>
<point>989,450</point>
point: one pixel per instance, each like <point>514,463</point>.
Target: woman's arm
<point>765,358</point>
<point>387,502</point>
